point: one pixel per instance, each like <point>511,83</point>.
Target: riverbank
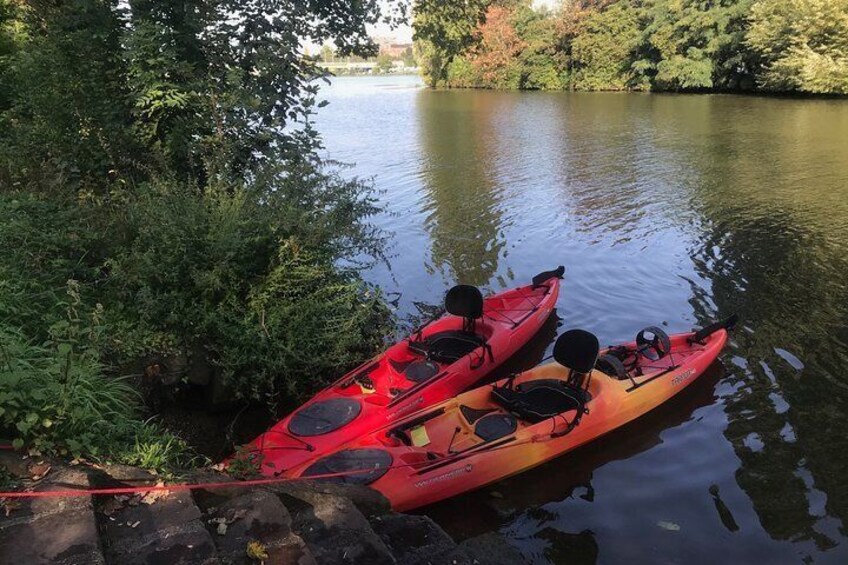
<point>295,523</point>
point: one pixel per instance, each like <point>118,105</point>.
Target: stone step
<point>157,528</point>
<point>417,540</point>
<point>258,516</point>
<point>334,529</point>
<point>61,531</point>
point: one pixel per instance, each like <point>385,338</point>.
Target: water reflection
<point>460,195</point>
<point>664,209</point>
<point>777,257</point>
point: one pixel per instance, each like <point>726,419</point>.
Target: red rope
<point>167,488</point>
<point>181,487</point>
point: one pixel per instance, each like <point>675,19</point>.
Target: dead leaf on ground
<point>256,550</point>
<point>153,495</point>
<point>222,529</point>
<point>237,515</point>
<point>39,471</point>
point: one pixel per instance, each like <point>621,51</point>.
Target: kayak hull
<point>455,460</point>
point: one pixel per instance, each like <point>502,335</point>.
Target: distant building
<point>393,49</point>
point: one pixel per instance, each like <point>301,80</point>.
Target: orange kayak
<point>498,430</point>
<point>438,361</point>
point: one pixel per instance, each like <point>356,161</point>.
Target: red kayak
<point>495,431</point>
<point>437,362</point>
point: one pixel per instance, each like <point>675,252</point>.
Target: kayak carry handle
<point>706,332</point>
<point>545,275</point>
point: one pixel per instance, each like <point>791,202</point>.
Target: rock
<point>368,501</point>
<point>52,530</point>
<point>490,549</point>
<point>258,517</point>
<point>334,530</point>
<point>15,463</point>
<point>414,540</point>
<point>167,530</point>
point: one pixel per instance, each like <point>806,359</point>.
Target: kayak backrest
<point>465,301</point>
<point>577,350</point>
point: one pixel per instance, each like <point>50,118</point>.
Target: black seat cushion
<point>448,346</point>
<point>576,350</point>
<point>539,400</point>
<point>495,426</point>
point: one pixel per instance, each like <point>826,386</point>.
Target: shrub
<point>56,399</point>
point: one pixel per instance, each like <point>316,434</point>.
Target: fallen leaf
<point>256,550</point>
<point>39,471</point>
<point>153,495</point>
<point>222,529</point>
<point>237,515</point>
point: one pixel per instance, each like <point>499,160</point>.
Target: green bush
<point>55,398</point>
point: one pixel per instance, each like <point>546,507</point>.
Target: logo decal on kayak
<point>682,377</point>
<point>408,408</point>
<point>445,476</point>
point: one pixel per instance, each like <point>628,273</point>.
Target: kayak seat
<point>540,400</point>
<point>449,346</point>
<point>495,426</point>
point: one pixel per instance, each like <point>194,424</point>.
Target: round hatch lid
<point>421,371</point>
<point>324,416</point>
<point>373,464</point>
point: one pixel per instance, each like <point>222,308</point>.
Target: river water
<point>672,209</point>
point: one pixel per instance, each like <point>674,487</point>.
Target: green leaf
<point>18,443</point>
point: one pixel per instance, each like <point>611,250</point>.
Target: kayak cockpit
<point>510,406</point>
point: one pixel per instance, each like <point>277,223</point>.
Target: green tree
<point>443,31</point>
<point>602,51</point>
<point>803,44</point>
<point>160,154</point>
<point>409,57</point>
<point>691,44</point>
<point>384,63</point>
